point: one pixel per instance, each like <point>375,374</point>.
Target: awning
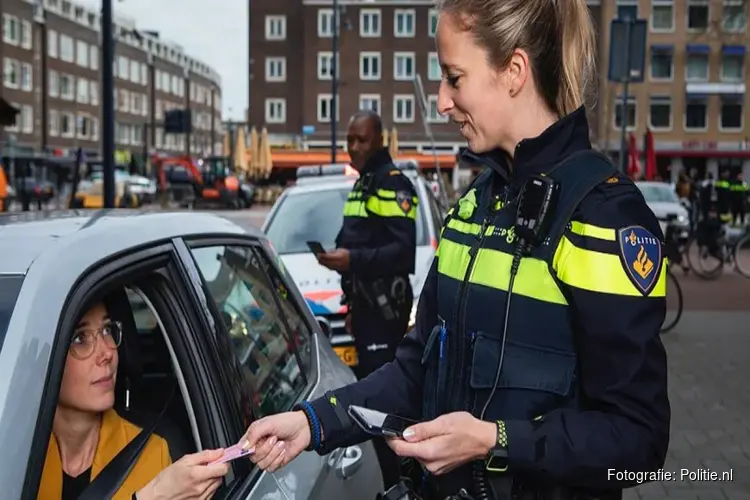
<point>8,113</point>
<point>661,47</point>
<point>733,50</point>
<point>693,48</point>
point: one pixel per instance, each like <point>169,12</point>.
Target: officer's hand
<point>277,439</point>
<point>447,442</point>
<point>338,259</point>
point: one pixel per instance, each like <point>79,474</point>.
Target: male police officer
<point>375,253</point>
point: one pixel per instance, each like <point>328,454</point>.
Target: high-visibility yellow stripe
<point>355,208</point>
<point>492,269</point>
<point>601,233</point>
<point>599,272</point>
<point>389,208</point>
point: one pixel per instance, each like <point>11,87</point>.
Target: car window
<point>437,219</point>
<point>315,216</point>
<point>10,286</point>
<point>236,279</point>
<point>654,193</point>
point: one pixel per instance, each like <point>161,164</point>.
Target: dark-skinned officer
<point>375,254</point>
<point>536,366</point>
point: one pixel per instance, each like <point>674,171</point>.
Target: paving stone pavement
<point>709,387</point>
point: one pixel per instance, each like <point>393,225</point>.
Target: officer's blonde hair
<point>558,36</point>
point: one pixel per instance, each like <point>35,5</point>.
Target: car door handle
<point>347,461</point>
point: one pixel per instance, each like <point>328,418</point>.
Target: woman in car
<point>87,433</point>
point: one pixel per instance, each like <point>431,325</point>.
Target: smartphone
<point>378,423</point>
<point>315,247</point>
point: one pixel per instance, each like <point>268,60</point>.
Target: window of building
<point>54,83</point>
<point>695,115</point>
<point>662,15</point>
<point>325,65</point>
<point>54,123</point>
<point>67,87</point>
<point>144,74</point>
<point>325,105</point>
<point>735,16</point>
<point>660,113</point>
<point>67,48</point>
<point>123,67</point>
<point>82,54</point>
<point>94,92</point>
<point>27,77</point>
<point>27,34</point>
<point>275,69</point>
<point>731,115</point>
<point>403,108</point>
<point>370,101</point>
<point>732,67</point>
<point>403,23</point>
<point>696,68</point>
<point>369,23</point>
<point>627,9</point>
<point>12,69</point>
<point>369,65</point>
<point>135,71</point>
<point>432,21</point>
<point>403,66</point>
<point>67,124</point>
<point>434,73</point>
<point>276,110</point>
<point>630,113</point>
<point>83,91</point>
<point>325,23</point>
<point>11,30</point>
<point>52,43</point>
<point>662,63</point>
<point>275,27</point>
<point>433,115</point>
<point>697,15</point>
<point>94,57</point>
<point>27,119</point>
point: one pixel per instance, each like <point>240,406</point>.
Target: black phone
<point>378,423</point>
<point>315,247</point>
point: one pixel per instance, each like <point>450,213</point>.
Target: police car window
<point>315,216</point>
<point>237,281</point>
<point>10,286</point>
<point>437,217</point>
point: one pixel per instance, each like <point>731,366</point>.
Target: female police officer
<point>561,392</point>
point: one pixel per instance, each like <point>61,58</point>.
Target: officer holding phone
<point>536,366</point>
<point>376,250</point>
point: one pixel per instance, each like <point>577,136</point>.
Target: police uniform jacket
<point>583,390</point>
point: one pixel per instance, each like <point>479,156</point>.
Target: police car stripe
<point>492,269</point>
<point>599,272</point>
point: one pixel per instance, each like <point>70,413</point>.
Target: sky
<point>212,31</point>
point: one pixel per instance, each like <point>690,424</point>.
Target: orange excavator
<point>190,182</point>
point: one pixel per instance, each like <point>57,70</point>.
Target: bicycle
<point>717,245</point>
<point>675,239</point>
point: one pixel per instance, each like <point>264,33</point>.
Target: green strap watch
<point>497,458</point>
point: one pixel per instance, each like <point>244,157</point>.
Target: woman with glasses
<point>87,433</point>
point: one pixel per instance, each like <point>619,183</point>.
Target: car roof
<point>97,234</point>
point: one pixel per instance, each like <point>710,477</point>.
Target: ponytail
<point>578,64</point>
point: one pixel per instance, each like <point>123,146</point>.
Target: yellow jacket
<point>114,435</point>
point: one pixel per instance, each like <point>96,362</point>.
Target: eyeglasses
<point>83,344</point>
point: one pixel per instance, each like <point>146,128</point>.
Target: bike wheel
<point>674,303</point>
<point>703,264</point>
<point>742,255</point>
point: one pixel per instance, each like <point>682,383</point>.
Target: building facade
<point>382,46</point>
<point>692,98</point>
<point>51,55</point>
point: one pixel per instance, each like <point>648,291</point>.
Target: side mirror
<point>325,325</point>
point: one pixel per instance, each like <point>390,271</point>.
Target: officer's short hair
<point>372,117</point>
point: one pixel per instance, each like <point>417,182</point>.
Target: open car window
<point>263,338</point>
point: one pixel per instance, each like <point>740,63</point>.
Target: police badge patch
<point>640,254</point>
<point>403,198</point>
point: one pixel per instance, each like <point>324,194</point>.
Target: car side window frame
<point>310,372</point>
<point>122,268</point>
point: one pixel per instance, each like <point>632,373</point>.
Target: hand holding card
<point>233,452</point>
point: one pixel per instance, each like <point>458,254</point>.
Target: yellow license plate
<point>348,355</point>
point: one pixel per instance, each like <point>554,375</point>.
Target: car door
<point>274,346</point>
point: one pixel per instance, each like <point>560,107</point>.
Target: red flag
<point>634,167</point>
<point>650,156</point>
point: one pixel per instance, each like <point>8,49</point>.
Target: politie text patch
<point>640,253</point>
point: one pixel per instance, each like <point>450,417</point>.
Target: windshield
<point>655,193</point>
<point>316,216</point>
<point>10,286</point>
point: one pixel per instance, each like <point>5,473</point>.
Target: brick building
<point>52,60</point>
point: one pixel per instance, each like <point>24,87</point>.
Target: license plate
<point>347,354</point>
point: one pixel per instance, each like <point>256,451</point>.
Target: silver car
<point>209,315</point>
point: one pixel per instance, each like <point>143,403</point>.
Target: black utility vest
<point>539,368</point>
